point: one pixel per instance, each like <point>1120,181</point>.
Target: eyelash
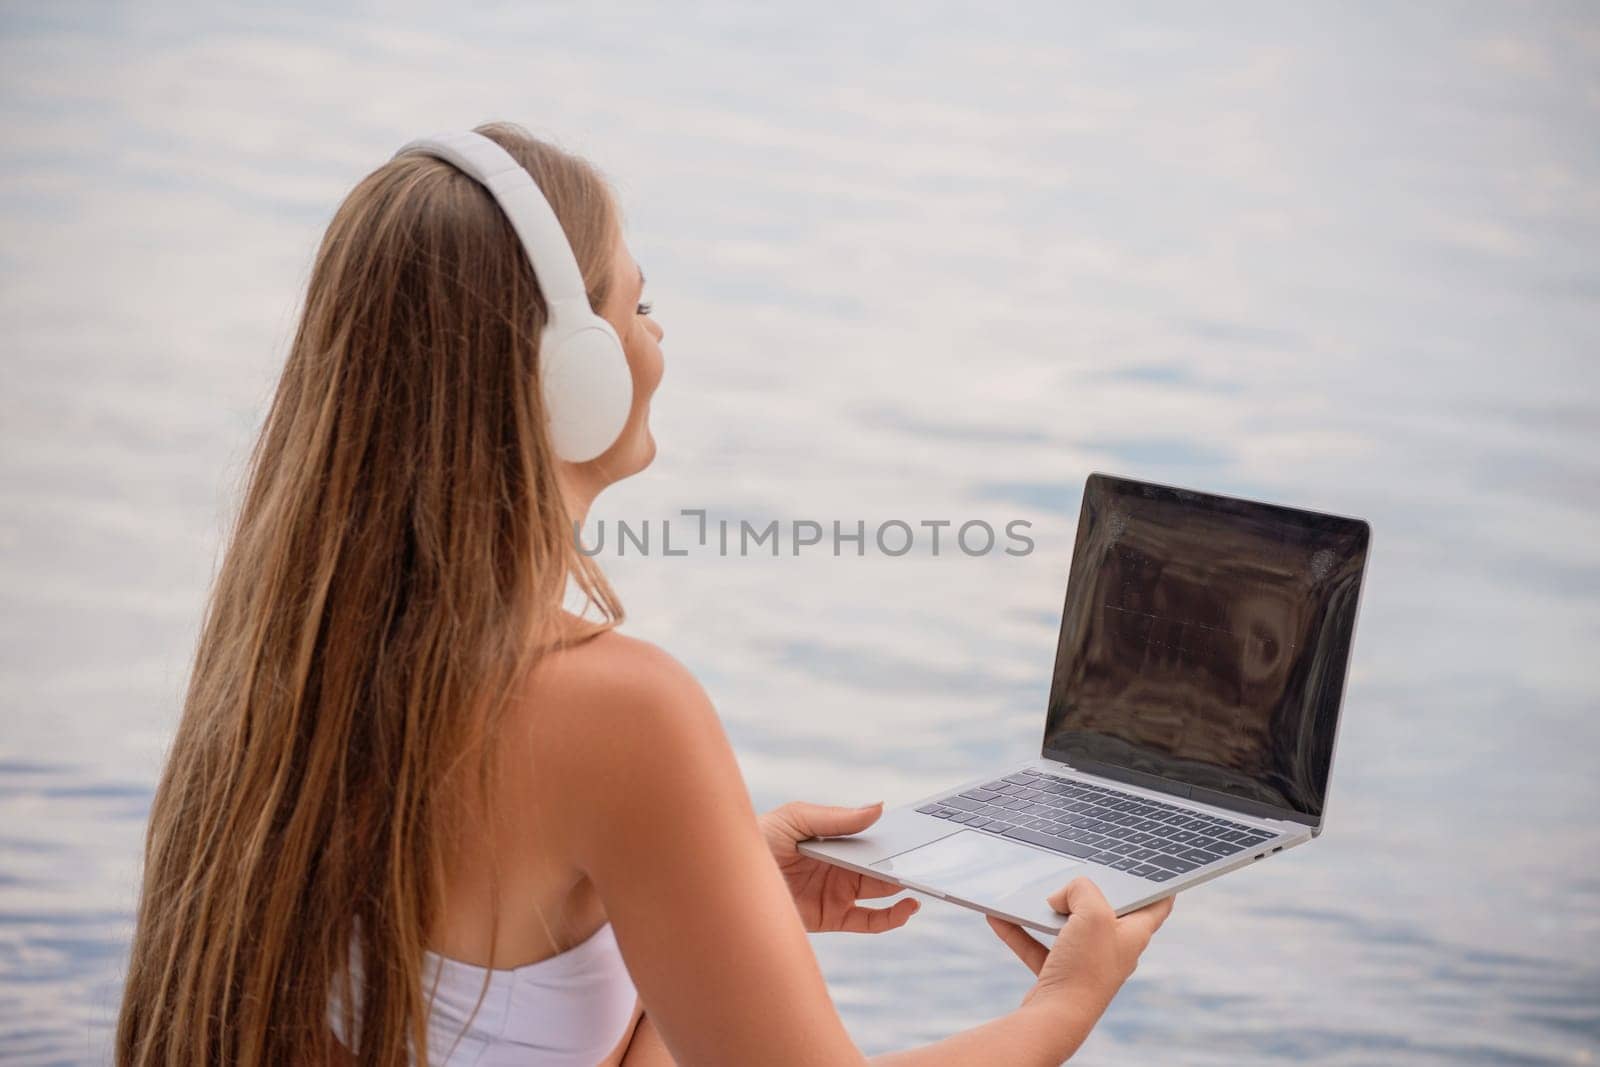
<point>645,307</point>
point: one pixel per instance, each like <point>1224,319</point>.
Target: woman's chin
<point>640,456</point>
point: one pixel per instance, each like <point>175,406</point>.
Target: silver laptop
<point>1192,717</point>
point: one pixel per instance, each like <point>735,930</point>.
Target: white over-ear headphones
<point>588,390</point>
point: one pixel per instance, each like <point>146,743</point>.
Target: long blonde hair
<point>399,560</point>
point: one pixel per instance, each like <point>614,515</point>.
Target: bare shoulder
<point>613,673</point>
<point>614,733</point>
<point>613,698</point>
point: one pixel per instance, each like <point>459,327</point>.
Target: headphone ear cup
<point>587,387</point>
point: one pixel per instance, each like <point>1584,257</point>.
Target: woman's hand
<point>826,895</point>
<point>1092,956</point>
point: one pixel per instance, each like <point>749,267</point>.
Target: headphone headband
<point>523,203</point>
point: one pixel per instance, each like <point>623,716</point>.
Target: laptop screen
<point>1204,643</point>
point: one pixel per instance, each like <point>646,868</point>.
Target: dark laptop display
<point>1203,645</point>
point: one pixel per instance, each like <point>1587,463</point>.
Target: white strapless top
<point>566,1011</point>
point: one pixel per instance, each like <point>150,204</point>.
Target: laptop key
<point>1019,779</point>
<point>1198,855</point>
<point>1173,863</point>
<point>928,809</point>
<point>980,794</point>
<point>999,785</point>
<point>1159,876</point>
<point>1107,858</point>
<point>1054,844</point>
<point>962,816</point>
<point>1144,870</point>
<point>962,803</point>
<point>1123,864</point>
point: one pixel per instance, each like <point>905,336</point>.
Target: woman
<point>415,808</point>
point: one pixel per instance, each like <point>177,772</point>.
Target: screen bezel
<point>1109,486</point>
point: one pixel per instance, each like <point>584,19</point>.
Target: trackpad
<point>978,867</point>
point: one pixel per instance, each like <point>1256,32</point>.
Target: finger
<point>859,920</point>
<point>1029,951</point>
<point>1148,919</point>
<point>821,820</point>
<point>876,887</point>
<point>1080,897</point>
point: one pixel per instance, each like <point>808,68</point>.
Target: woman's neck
<point>578,490</point>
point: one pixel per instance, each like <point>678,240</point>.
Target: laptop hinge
<point>1236,805</point>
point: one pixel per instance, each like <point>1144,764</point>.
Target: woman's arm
<point>1077,977</point>
<point>657,815</point>
<point>1088,963</point>
<point>1009,1039</point>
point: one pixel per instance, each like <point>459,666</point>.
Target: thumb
<point>1081,897</point>
<point>823,820</point>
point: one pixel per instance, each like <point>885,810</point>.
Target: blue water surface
<point>914,262</point>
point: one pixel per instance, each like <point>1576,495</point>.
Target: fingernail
<point>874,804</point>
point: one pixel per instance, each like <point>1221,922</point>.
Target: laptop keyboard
<point>1123,831</point>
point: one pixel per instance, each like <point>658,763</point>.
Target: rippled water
<point>915,263</point>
